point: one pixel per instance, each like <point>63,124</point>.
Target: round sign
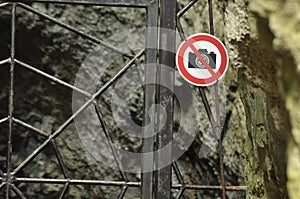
<point>202,59</point>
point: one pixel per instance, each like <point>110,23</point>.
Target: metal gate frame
<point>156,184</point>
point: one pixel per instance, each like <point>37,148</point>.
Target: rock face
<point>263,39</point>
<point>261,144</point>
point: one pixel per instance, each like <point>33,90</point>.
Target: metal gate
<point>157,184</point>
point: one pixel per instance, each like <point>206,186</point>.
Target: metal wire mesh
<point>170,18</point>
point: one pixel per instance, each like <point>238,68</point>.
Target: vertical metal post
<point>11,99</point>
<point>150,99</point>
<point>166,99</point>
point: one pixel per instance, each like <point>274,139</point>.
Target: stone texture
<point>264,48</point>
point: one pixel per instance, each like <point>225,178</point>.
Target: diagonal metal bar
<point>59,159</point>
<point>122,194</point>
<point>124,3</point>
<point>180,30</point>
<point>179,15</point>
<point>180,193</point>
<point>28,126</point>
<point>64,191</point>
<point>83,107</point>
<point>178,173</point>
<point>180,179</point>
<point>17,191</point>
<point>2,185</point>
<point>3,120</point>
<point>74,30</point>
<point>118,75</point>
<point>11,99</point>
<point>2,5</point>
<point>186,8</point>
<point>5,61</point>
<point>110,142</point>
<point>2,174</point>
<point>54,79</point>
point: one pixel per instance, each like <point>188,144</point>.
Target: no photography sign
<point>202,59</point>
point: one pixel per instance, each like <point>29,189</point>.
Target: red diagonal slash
<point>210,70</point>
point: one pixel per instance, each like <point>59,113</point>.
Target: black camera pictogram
<point>210,59</point>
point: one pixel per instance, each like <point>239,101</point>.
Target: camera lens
<point>199,64</point>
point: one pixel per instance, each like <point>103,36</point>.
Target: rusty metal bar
<point>123,183</point>
<point>78,181</point>
<point>166,96</point>
<point>28,126</point>
<point>209,187</point>
<point>123,3</point>
<point>17,191</point>
<point>59,159</point>
<point>149,99</point>
<point>74,30</point>
<point>11,99</point>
